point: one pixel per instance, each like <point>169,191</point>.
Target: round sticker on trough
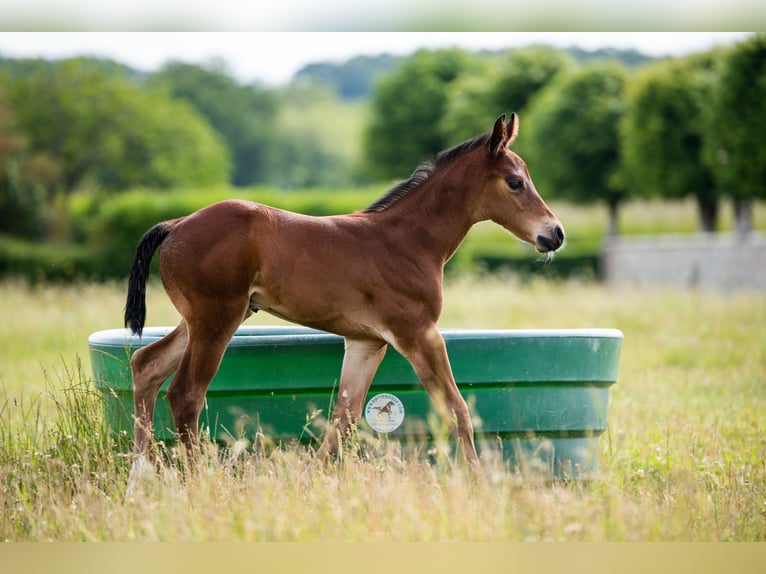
<point>384,412</point>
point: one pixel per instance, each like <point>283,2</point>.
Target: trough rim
<point>285,335</point>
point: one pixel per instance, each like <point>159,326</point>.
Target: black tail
<point>135,305</point>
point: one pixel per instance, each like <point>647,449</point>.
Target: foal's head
<point>509,197</point>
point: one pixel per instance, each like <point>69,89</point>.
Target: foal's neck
<point>436,217</point>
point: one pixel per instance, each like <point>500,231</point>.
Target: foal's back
<point>338,273</point>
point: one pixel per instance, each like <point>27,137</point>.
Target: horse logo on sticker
<point>384,413</point>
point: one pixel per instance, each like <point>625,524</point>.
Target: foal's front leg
<point>361,360</point>
<point>427,353</point>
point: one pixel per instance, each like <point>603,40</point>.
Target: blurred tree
<point>631,58</point>
<point>571,136</point>
<point>104,131</point>
<point>25,180</point>
<point>468,111</point>
<point>497,85</point>
<point>244,116</point>
<point>735,140</point>
<point>406,111</point>
<point>523,73</point>
<point>662,132</point>
<point>319,152</point>
<point>350,80</point>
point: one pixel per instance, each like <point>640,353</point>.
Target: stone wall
<point>722,261</point>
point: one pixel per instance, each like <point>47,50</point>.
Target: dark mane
<point>423,172</point>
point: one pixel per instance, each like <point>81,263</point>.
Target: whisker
<point>545,258</point>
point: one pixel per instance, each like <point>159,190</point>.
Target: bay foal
<point>374,277</point>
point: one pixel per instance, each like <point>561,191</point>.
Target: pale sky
<point>273,57</point>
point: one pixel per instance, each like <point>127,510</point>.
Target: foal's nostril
<point>547,243</point>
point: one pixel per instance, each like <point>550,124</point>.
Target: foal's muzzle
<point>550,243</point>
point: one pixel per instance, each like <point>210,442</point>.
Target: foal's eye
<point>515,184</point>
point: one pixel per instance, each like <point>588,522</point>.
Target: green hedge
<point>40,262</point>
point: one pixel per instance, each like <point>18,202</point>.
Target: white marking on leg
<point>141,472</point>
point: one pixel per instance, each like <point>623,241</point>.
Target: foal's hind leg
<point>151,366</point>
<point>210,330</point>
<point>360,361</point>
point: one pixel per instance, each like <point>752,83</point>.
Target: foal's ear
<point>499,138</point>
<point>513,128</point>
<point>502,134</point>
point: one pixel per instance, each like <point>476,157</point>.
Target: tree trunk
<point>613,229</point>
<point>708,213</point>
<point>743,216</point>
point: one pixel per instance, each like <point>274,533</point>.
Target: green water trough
<point>539,398</point>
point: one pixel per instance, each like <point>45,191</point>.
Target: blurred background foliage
<point>93,152</point>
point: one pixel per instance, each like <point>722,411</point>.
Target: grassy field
<point>684,458</point>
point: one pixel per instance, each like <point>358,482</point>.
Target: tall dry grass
<point>683,458</point>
